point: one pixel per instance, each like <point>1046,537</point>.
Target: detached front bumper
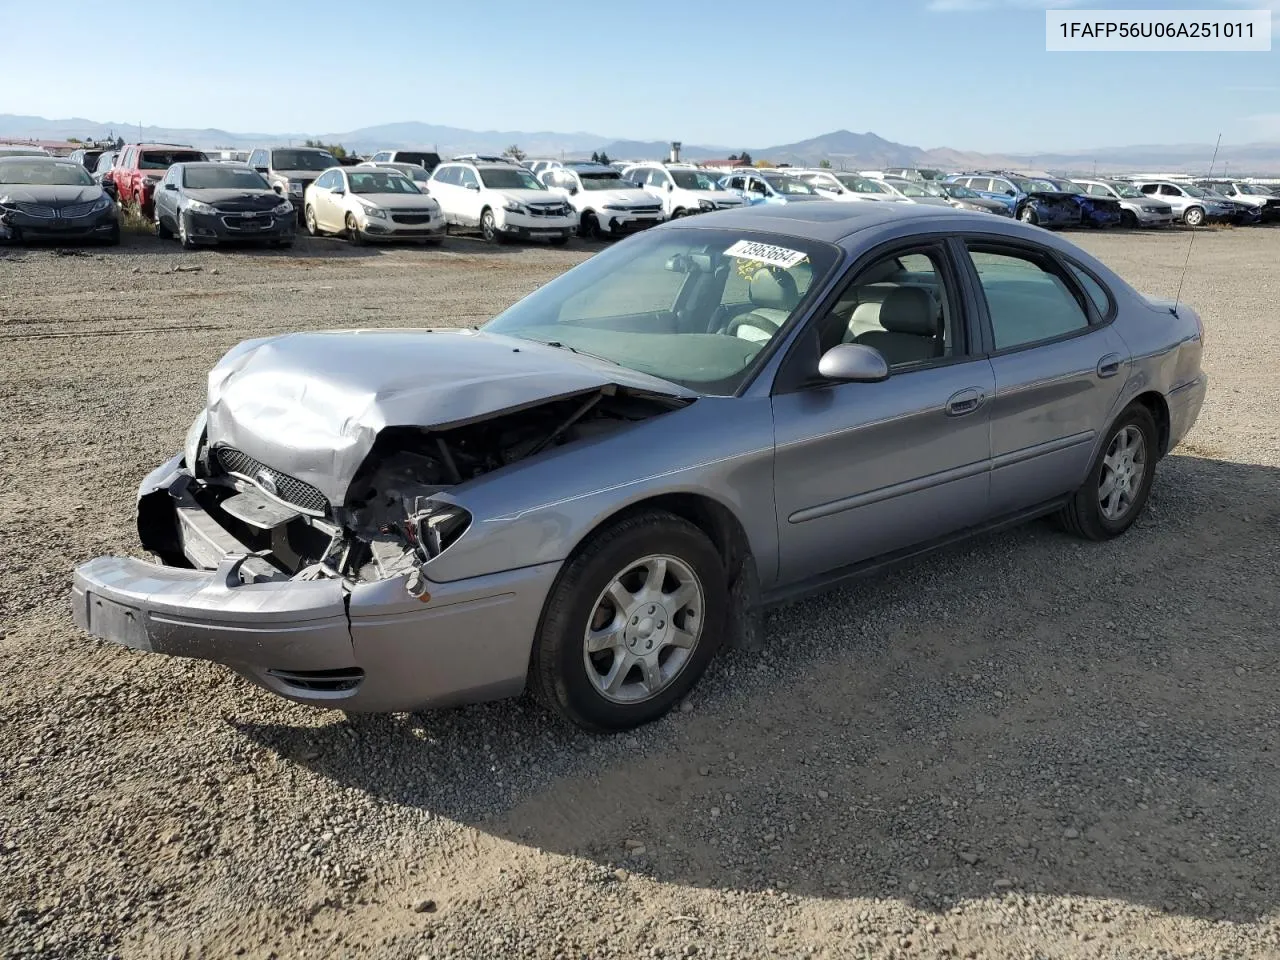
<point>366,647</point>
<point>621,223</point>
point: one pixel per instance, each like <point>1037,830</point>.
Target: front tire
<point>353,230</point>
<point>1028,215</point>
<point>183,237</point>
<point>162,232</point>
<point>1194,216</point>
<point>631,623</point>
<point>1119,483</point>
<point>489,227</point>
<point>1129,220</point>
<point>309,216</point>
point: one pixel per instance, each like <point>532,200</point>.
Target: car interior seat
<point>911,327</point>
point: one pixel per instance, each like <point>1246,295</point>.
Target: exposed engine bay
<point>388,524</point>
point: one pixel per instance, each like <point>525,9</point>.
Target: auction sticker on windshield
<point>766,253</point>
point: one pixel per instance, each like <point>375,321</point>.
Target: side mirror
<point>573,191</point>
<point>171,186</point>
<point>262,169</point>
<point>853,363</point>
<point>670,186</point>
<point>276,188</point>
<point>339,191</point>
<point>474,186</point>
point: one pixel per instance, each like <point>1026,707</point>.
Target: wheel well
<point>710,516</point>
<point>1159,410</point>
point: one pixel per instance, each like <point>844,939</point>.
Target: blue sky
<point>969,74</point>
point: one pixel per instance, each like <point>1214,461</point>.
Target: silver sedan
<point>592,494</point>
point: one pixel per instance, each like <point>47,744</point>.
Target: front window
<point>861,184</point>
<point>790,186</point>
<point>379,181</point>
<point>223,178</point>
<point>1196,192</point>
<point>1027,185</point>
<point>958,191</point>
<point>502,179</point>
<point>1127,191</point>
<point>695,307</point>
<point>164,159</point>
<point>603,181</point>
<point>693,180</point>
<point>302,160</point>
<point>1066,186</point>
<point>66,174</point>
<point>911,190</point>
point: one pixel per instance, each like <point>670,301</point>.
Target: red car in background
<point>140,166</point>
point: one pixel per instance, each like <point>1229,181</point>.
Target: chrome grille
<point>548,211</point>
<point>289,489</point>
<point>37,210</point>
<point>78,209</point>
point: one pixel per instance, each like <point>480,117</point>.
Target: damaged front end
<point>259,570</point>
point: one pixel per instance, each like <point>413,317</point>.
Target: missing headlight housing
<point>435,526</point>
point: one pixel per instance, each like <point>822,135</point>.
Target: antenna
<point>1177,297</point>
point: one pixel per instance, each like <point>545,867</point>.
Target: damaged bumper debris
<point>397,643</point>
<point>295,534</point>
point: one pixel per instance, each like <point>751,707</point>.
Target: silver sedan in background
<point>592,493</point>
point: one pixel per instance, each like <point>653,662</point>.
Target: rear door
<point>862,470</point>
<point>1059,367</point>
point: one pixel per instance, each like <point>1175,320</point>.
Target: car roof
<point>213,164</point>
<point>832,221</point>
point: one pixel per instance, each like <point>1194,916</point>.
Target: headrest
<point>773,289</point>
<point>909,310</point>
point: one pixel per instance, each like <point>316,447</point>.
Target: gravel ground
<point>1024,747</point>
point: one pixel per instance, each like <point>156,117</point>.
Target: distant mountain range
<point>842,148</point>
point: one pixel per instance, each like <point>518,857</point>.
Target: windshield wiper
<point>564,346</point>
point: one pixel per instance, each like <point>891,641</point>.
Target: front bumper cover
<point>363,647</point>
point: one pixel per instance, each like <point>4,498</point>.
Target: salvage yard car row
<point>411,195</point>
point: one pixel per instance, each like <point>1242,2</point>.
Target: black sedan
<point>214,202</point>
<point>51,198</point>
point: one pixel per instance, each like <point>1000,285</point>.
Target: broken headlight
<point>435,525</point>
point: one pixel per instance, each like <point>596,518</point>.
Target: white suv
<point>504,200</point>
<point>606,203</point>
<point>682,190</point>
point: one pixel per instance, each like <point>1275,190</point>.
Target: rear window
<point>164,159</point>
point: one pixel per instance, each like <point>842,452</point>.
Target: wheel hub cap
<point>643,629</point>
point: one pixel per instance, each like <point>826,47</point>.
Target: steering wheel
<point>751,320</point>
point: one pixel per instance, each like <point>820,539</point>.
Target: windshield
<point>164,159</point>
<point>958,190</point>
<point>104,162</point>
<point>302,160</point>
<point>692,180</point>
<point>1196,192</point>
<point>604,181</point>
<point>499,179</point>
<point>1031,186</point>
<point>223,178</point>
<point>791,186</point>
<point>1066,186</point>
<point>1253,190</point>
<point>862,184</point>
<point>380,181</point>
<point>1127,191</point>
<point>427,161</point>
<point>694,307</point>
<point>911,190</point>
<point>64,174</point>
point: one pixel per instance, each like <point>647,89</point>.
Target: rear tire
<point>1129,220</point>
<point>1091,513</point>
<point>163,232</point>
<point>1193,217</point>
<point>309,216</point>
<point>570,677</point>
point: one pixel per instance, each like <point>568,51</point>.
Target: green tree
<point>515,153</point>
<point>733,158</point>
<point>604,158</point>
<point>744,158</point>
<point>824,164</point>
<point>595,157</point>
<point>337,149</point>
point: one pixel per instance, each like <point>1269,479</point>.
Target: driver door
<point>864,470</point>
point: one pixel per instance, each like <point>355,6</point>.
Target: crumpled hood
<point>311,404</point>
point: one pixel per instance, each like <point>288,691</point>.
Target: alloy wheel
<point>643,629</point>
<point>1123,468</point>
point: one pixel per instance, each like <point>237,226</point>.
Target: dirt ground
<point>1024,747</point>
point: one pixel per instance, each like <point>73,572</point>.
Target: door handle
<point>1109,365</point>
<point>965,401</point>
